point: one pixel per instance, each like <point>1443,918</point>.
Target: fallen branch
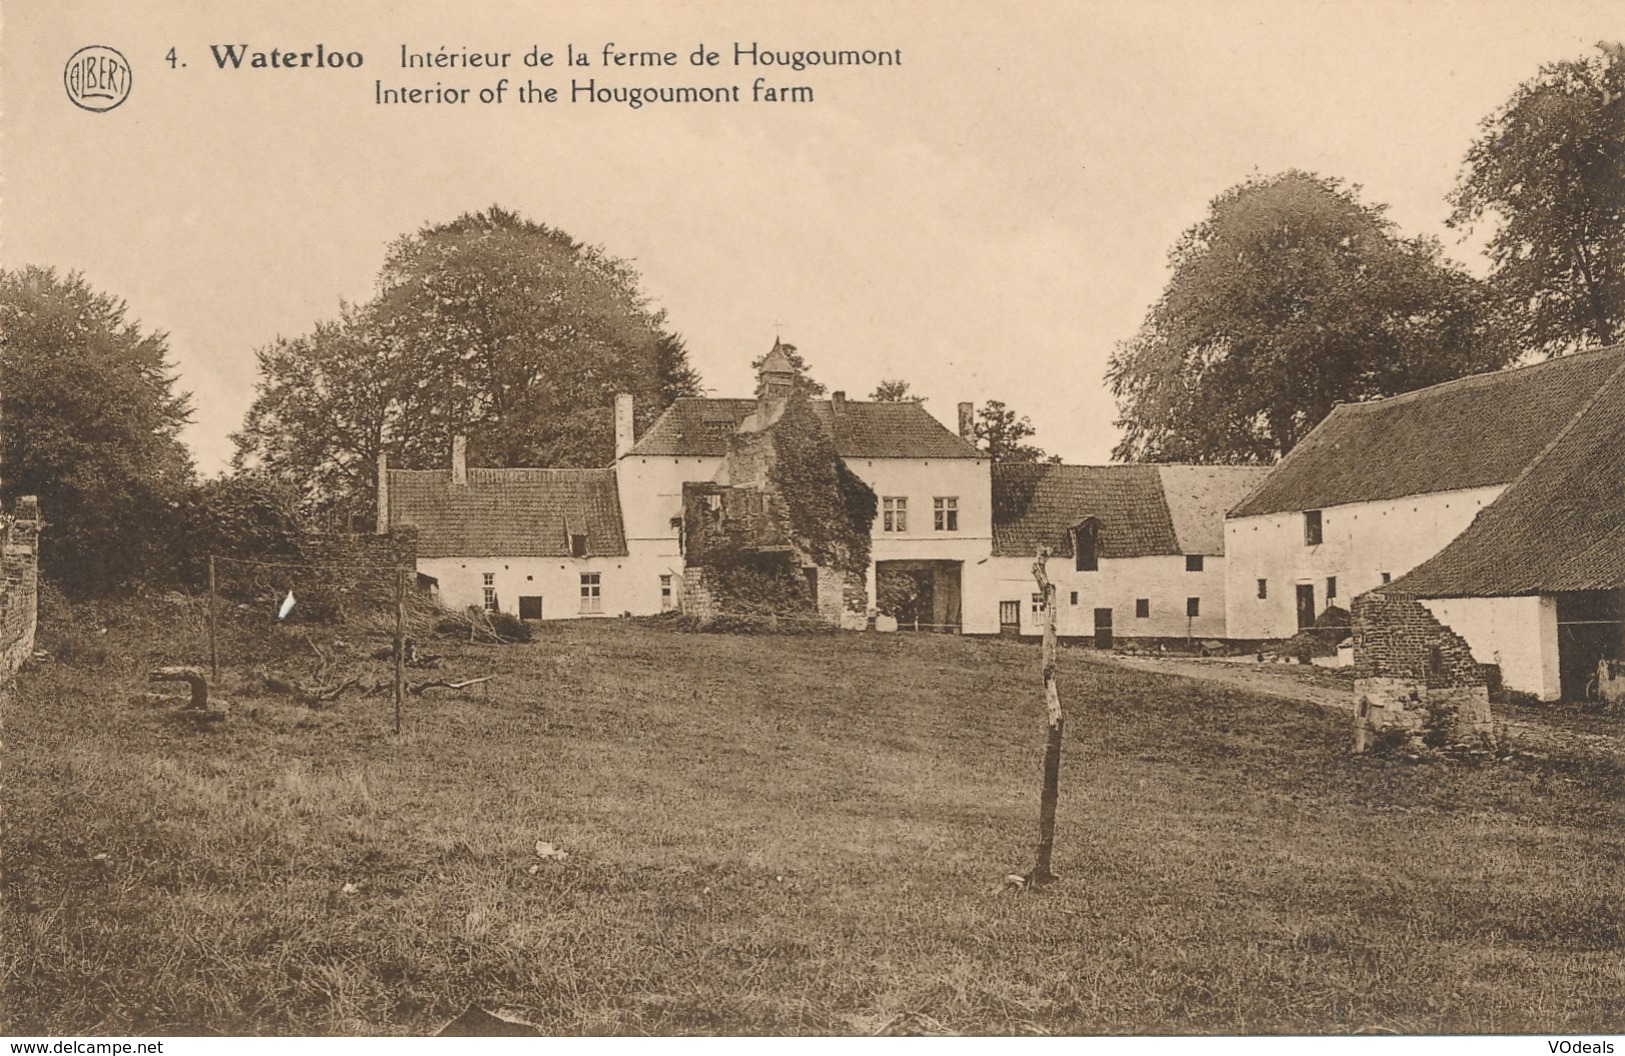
<point>417,688</point>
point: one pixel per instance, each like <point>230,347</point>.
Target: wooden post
<point>400,640</point>
<point>214,649</point>
<point>1042,874</point>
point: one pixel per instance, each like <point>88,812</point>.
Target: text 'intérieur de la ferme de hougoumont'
<point>604,74</point>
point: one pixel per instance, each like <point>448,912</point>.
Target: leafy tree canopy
<point>894,390</point>
<point>92,424</point>
<point>491,326</point>
<point>1002,433</point>
<point>1290,297</point>
<point>1548,170</point>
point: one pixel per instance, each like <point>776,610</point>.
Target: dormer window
<point>578,544</point>
<point>1086,545</point>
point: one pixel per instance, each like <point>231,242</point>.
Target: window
<point>578,544</point>
<point>894,514</point>
<point>1086,545</point>
<point>665,592</point>
<point>1142,608</point>
<point>1074,597</point>
<point>490,581</point>
<point>945,514</point>
<point>1009,613</point>
<point>1193,562</point>
<point>1263,588</point>
<point>1385,577</point>
<point>1331,587</point>
<point>1038,604</point>
<point>591,598</point>
<point>1193,606</point>
<point>1311,528</point>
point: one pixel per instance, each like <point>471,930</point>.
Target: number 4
<point>171,58</point>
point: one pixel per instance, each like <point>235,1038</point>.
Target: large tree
<point>1291,297</point>
<point>491,326</point>
<point>1003,433</point>
<point>91,424</point>
<point>1548,170</point>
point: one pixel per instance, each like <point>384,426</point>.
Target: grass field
<point>777,834</point>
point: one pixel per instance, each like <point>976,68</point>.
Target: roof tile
<point>698,426</point>
<point>509,512</point>
<point>1474,432</point>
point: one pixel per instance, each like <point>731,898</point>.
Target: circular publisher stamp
<point>97,78</point>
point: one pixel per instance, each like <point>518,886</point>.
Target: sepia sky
<point>986,219</point>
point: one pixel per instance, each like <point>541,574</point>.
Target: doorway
<point>1306,605</point>
<point>1103,628</point>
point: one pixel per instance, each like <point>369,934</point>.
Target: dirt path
<point>1316,686</point>
<point>1291,682</point>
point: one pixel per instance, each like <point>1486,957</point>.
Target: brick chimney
<point>624,432</point>
<point>459,460</point>
<point>837,400</point>
<point>967,422</point>
<point>383,493</point>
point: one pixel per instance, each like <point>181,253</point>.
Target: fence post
<point>1042,874</point>
<point>400,640</point>
<point>214,649</point>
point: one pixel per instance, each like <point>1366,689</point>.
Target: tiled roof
<point>1036,504</point>
<point>1474,432</point>
<point>861,429</point>
<point>509,512</point>
<point>1198,497</point>
<point>1559,527</point>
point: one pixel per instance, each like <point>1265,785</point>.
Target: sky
<point>985,219</point>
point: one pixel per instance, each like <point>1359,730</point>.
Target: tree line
<point>1290,296</point>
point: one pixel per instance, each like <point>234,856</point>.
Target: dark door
<point>1009,617</point>
<point>1103,628</point>
<point>530,606</point>
<point>1306,605</point>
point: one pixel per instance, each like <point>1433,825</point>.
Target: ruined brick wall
<point>695,598</point>
<point>19,586</point>
<point>1408,665</point>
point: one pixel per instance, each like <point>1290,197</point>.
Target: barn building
<point>1493,499</point>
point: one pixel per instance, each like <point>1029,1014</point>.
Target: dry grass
<point>778,835</point>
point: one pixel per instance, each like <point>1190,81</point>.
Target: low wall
<point>19,586</point>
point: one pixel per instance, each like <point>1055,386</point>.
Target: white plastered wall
<point>1359,542</point>
<point>1518,634</point>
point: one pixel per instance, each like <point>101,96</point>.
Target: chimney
<point>624,433</point>
<point>459,460</point>
<point>837,400</point>
<point>383,493</point>
<point>967,422</point>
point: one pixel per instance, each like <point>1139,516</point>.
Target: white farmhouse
<point>1378,488</point>
<point>1137,550</point>
<point>554,544</point>
<point>934,513</point>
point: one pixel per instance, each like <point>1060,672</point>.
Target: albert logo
<point>97,78</point>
